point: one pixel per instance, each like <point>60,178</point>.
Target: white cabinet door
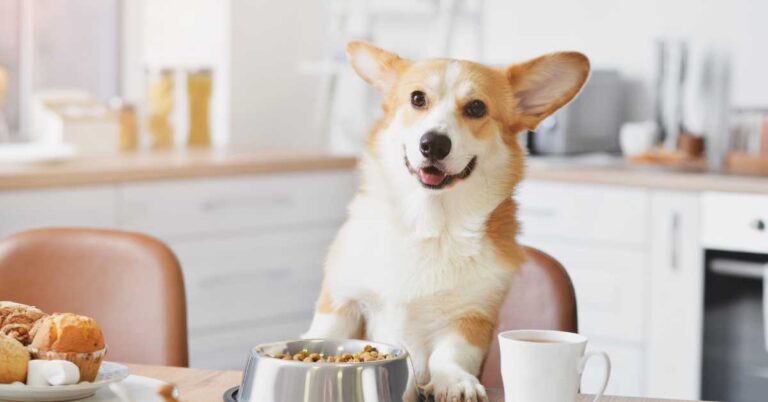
<point>627,364</point>
<point>735,222</point>
<point>28,209</point>
<point>584,214</point>
<point>610,284</point>
<point>228,349</point>
<point>677,297</point>
<point>245,279</point>
<point>184,209</point>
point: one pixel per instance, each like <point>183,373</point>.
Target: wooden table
<point>197,385</point>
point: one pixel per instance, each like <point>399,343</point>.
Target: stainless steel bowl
<point>267,379</point>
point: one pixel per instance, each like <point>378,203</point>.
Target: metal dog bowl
<point>267,379</point>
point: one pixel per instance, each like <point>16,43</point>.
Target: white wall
<point>273,105</point>
<point>76,45</point>
<point>621,34</point>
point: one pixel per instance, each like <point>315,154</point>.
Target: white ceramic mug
<point>545,366</point>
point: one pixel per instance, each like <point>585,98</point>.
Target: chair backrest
<point>541,296</point>
<point>130,283</point>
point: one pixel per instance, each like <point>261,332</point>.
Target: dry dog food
<point>369,354</point>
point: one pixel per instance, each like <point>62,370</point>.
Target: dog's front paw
<point>455,385</point>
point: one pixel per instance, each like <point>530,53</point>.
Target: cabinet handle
<point>759,225</point>
<point>248,202</point>
<point>277,273</point>
<point>674,252</point>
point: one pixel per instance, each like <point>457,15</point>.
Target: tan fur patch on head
<point>477,329</point>
<point>460,82</point>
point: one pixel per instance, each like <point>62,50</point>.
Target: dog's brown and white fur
<point>425,264</point>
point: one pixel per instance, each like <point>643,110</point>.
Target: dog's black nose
<point>435,145</point>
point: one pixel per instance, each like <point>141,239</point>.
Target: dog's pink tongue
<point>432,178</point>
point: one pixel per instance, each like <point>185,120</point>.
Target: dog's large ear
<point>376,66</point>
<point>545,84</point>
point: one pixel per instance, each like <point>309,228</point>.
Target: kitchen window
<point>52,45</point>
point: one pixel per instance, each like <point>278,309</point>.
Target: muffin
<point>17,320</point>
<point>70,337</point>
<point>14,359</point>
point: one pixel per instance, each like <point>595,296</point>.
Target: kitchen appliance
<point>590,123</point>
<point>267,379</point>
<point>735,344</point>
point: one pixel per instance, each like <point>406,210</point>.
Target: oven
<point>735,338</point>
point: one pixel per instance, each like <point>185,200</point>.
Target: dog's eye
<point>418,99</point>
<point>475,109</point>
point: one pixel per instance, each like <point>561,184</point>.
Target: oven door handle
<point>742,269</point>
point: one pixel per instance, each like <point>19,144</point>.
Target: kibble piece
<point>368,354</point>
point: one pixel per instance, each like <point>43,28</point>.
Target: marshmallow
<point>61,372</point>
<point>35,373</point>
<point>42,373</point>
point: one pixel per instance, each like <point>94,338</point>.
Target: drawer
<point>736,222</point>
<point>610,286</point>
<point>185,208</point>
<point>627,374</point>
<point>584,213</point>
<point>233,280</point>
<point>84,207</point>
<point>227,348</point>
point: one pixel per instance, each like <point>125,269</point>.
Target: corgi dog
<point>425,257</point>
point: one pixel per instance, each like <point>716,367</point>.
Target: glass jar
<point>199,89</point>
<point>128,122</point>
<point>5,135</point>
<point>159,108</point>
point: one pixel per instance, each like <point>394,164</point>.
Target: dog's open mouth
<point>434,177</point>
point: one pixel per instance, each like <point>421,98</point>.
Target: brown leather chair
<point>130,283</point>
<point>541,296</point>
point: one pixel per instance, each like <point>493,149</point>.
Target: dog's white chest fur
<point>411,279</point>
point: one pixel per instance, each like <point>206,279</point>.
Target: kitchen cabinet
<point>248,289</point>
<point>251,247</point>
<point>84,206</point>
<point>735,222</point>
<point>601,236</point>
<point>677,298</point>
<point>636,262</point>
<point>204,207</point>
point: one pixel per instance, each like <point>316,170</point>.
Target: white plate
<point>108,373</point>
<point>140,389</point>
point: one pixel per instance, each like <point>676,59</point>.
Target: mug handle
<point>607,360</point>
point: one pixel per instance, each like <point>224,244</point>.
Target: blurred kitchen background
<point>230,128</point>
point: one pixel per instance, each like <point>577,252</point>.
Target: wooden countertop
<point>614,171</point>
<point>197,385</point>
<point>142,166</point>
